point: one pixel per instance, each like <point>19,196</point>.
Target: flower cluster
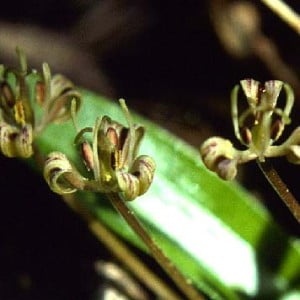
<point>30,100</point>
<point>111,157</point>
<point>19,121</point>
<point>257,127</point>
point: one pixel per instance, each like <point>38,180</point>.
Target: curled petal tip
<point>138,181</point>
<point>129,185</point>
<point>219,156</point>
<point>144,168</point>
<point>227,169</point>
<point>56,166</point>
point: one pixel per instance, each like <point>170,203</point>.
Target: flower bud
<point>218,155</point>
<point>227,169</point>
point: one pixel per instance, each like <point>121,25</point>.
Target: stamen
<point>8,95</point>
<point>112,136</point>
<point>40,92</point>
<point>19,113</point>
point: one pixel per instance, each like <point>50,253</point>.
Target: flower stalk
<point>117,171</point>
<point>259,126</point>
<point>184,284</point>
<point>280,188</point>
<point>111,160</point>
<point>121,251</point>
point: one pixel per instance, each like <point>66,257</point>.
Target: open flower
<point>257,127</point>
<point>112,159</point>
<point>19,121</point>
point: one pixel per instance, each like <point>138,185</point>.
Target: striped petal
<point>56,167</point>
<point>143,168</point>
<point>129,185</point>
<point>15,142</point>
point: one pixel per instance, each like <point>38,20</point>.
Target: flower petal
<point>15,142</point>
<point>129,185</point>
<point>143,168</point>
<point>56,166</point>
<point>23,142</point>
<point>220,156</point>
<point>272,91</point>
<point>251,90</point>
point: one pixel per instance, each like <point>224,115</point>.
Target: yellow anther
<point>19,113</point>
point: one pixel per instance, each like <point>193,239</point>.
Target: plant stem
<point>182,282</point>
<point>284,12</point>
<point>121,251</point>
<point>115,245</point>
<point>280,187</point>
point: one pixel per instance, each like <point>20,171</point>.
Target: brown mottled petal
<point>251,90</point>
<point>144,168</point>
<point>129,185</point>
<point>7,139</point>
<point>56,166</point>
<point>214,148</point>
<point>23,142</point>
<point>272,91</point>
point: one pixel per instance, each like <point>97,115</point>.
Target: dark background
<point>166,58</point>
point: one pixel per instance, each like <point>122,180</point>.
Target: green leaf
<point>214,231</point>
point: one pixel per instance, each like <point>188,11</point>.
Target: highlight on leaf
<point>111,158</point>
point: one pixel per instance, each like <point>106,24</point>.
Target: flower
<point>259,126</point>
<point>112,159</point>
<point>19,120</point>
